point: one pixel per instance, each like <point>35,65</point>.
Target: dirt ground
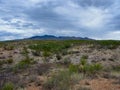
<point>101,84</point>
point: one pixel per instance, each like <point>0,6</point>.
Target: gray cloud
<point>87,18</point>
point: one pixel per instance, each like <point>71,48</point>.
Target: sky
<point>97,19</point>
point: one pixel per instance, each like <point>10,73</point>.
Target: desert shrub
<point>23,64</point>
<point>83,61</point>
<point>64,52</point>
<point>97,67</point>
<point>108,44</point>
<point>50,46</point>
<point>8,86</point>
<point>76,77</point>
<point>84,68</point>
<point>46,54</point>
<point>43,68</point>
<point>9,61</point>
<point>8,47</point>
<point>32,78</point>
<point>36,53</point>
<point>66,61</point>
<point>92,69</point>
<point>25,51</point>
<point>116,68</point>
<point>89,68</point>
<point>2,62</point>
<point>84,57</point>
<point>73,68</point>
<point>59,81</point>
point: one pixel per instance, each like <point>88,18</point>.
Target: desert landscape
<point>60,65</point>
<point>59,44</point>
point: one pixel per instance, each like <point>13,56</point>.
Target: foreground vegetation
<point>55,61</point>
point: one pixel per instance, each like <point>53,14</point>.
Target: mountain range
<point>52,37</point>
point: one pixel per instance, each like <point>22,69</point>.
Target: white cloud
<point>68,33</point>
<point>113,35</point>
<point>92,18</point>
<point>22,33</point>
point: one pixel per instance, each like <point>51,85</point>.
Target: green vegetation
<point>59,81</point>
<point>92,69</point>
<point>109,44</point>
<point>2,62</point>
<point>46,54</point>
<point>25,51</point>
<point>23,64</point>
<point>9,61</point>
<point>73,68</point>
<point>8,86</point>
<point>85,57</point>
<point>89,68</point>
<point>50,46</point>
<point>116,68</point>
<point>8,47</point>
<point>60,73</point>
<point>85,67</point>
<point>66,62</point>
<point>83,61</point>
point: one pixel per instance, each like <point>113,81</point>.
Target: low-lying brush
<point>116,68</point>
<point>8,86</point>
<point>25,63</point>
<point>59,81</point>
<point>73,68</point>
<point>85,67</point>
<point>8,61</point>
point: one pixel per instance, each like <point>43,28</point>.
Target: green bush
<point>46,54</point>
<point>23,64</point>
<point>66,62</point>
<point>59,81</point>
<point>8,47</point>
<point>25,51</point>
<point>36,53</point>
<point>97,67</point>
<point>116,68</point>
<point>109,44</point>
<point>84,57</point>
<point>91,68</point>
<point>50,46</point>
<point>8,86</point>
<point>2,62</point>
<point>83,61</point>
<point>73,68</point>
<point>9,61</point>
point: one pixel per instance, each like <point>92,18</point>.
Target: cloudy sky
<point>98,19</point>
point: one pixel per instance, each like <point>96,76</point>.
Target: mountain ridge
<point>52,37</point>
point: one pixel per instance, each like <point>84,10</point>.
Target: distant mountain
<point>52,37</point>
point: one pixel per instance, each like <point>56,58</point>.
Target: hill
<point>52,37</point>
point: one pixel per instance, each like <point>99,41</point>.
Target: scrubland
<point>60,65</point>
